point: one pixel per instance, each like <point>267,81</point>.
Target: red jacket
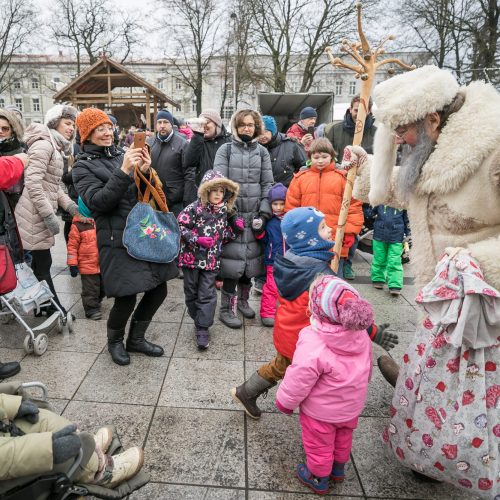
<point>324,190</point>
<point>11,169</point>
<point>82,247</point>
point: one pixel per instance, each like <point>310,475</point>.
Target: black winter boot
<point>136,341</point>
<point>9,369</point>
<point>227,313</point>
<point>243,296</point>
<point>247,393</point>
<point>115,346</point>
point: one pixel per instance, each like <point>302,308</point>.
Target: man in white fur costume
<point>449,178</point>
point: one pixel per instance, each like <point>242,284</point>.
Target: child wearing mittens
<point>205,225</point>
<point>328,379</point>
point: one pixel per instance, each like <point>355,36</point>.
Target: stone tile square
<point>201,383</point>
<point>131,421</point>
<point>68,300</point>
<point>401,318</point>
<point>58,405</point>
<point>79,312</point>
<point>259,343</point>
<point>379,297</point>
<point>274,448</point>
<point>88,336</point>
<point>379,394</point>
<point>264,403</point>
<point>137,383</point>
<point>274,495</point>
<point>192,446</point>
<point>225,343</point>
<point>171,311</point>
<point>409,292</point>
<point>383,476</point>
<point>65,283</point>
<point>7,354</point>
<point>61,372</point>
<point>185,492</point>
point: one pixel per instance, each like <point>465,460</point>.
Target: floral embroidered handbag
<point>151,235</point>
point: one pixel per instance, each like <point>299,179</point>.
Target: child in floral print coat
<point>206,224</point>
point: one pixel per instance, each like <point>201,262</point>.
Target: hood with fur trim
<point>467,139</point>
<point>16,124</point>
<point>212,179</point>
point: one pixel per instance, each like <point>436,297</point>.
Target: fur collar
<point>469,137</point>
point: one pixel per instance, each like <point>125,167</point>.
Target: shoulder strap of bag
<point>150,190</point>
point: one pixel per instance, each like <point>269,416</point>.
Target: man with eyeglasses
<point>449,177</point>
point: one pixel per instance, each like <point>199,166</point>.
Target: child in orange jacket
<point>322,186</point>
<point>83,257</point>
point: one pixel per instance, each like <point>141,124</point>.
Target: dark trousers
<point>67,229</point>
<point>41,264</point>
<point>124,307</point>
<point>92,292</point>
<point>200,295</point>
<point>229,285</point>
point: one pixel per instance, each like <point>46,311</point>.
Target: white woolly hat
<point>402,100</point>
<point>409,97</point>
<point>57,112</point>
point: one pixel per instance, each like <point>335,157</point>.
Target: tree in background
<point>16,26</point>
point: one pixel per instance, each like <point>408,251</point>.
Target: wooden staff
<point>364,67</point>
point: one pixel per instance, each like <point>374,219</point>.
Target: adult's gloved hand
<point>384,338</point>
<point>65,444</point>
<point>354,156</point>
<point>28,411</point>
<point>73,270</point>
<point>52,223</point>
<point>205,241</point>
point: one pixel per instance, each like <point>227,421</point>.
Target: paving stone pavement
<point>198,443</point>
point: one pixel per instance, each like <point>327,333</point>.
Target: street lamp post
<point>234,18</point>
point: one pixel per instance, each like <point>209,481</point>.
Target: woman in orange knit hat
<point>103,178</point>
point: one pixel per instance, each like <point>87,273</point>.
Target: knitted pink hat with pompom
<point>332,300</point>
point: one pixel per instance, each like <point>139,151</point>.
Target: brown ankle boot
<point>389,369</point>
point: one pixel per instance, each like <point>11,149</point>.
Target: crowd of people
<point>259,208</point>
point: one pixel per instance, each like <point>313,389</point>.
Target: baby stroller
<point>29,295</point>
<point>62,485</point>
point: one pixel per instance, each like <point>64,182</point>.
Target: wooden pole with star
<point>365,65</point>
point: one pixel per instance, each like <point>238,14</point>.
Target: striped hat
<point>332,300</point>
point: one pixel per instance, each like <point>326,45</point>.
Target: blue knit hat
<point>300,230</point>
<point>113,119</point>
<point>277,192</point>
<point>83,209</point>
<point>308,112</point>
<point>270,124</point>
<point>165,114</point>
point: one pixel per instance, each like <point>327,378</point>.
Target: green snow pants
<point>386,264</point>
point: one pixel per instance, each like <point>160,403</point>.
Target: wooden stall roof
<point>104,76</point>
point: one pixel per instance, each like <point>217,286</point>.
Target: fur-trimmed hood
<point>468,138</point>
<point>16,124</point>
<point>212,179</point>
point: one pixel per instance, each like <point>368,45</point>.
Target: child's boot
<point>136,341</point>
<point>124,466</point>
<point>247,393</point>
<point>243,296</point>
<point>202,338</point>
<point>116,348</point>
<point>228,308</point>
<point>318,484</point>
<point>267,321</point>
<point>338,473</point>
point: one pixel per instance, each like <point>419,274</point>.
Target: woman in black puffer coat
<point>102,177</point>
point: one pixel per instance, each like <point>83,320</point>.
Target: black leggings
<point>124,307</point>
<point>41,264</point>
<point>229,285</point>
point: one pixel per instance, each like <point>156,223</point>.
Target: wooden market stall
<point>109,85</point>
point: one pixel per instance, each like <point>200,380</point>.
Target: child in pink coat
<point>328,379</point>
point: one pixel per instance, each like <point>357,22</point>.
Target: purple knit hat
<point>277,192</point>
<point>332,300</point>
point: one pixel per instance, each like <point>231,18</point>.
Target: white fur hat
<point>409,97</point>
<point>57,112</point>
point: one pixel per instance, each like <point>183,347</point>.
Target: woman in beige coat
<point>36,211</point>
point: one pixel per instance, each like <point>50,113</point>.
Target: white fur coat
<point>456,202</point>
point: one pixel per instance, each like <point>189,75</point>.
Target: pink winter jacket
<point>329,373</point>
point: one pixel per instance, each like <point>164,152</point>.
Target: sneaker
<point>103,438</point>
<point>378,285</point>
<point>96,315</point>
<point>395,291</point>
<point>125,466</point>
<point>267,321</point>
<point>348,272</point>
<point>318,484</point>
<point>338,472</point>
<point>202,338</point>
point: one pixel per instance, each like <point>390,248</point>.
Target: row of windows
<point>18,101</point>
<point>316,87</point>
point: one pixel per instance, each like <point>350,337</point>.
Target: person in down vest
<point>206,224</point>
<point>83,257</point>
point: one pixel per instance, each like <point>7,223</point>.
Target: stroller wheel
<point>60,324</point>
<point>28,345</point>
<point>69,322</point>
<point>40,344</point>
